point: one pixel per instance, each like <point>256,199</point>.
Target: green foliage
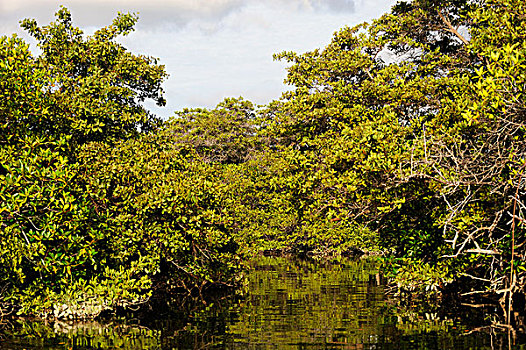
<point>406,135</point>
<point>23,102</point>
<point>144,218</point>
<point>94,85</point>
<point>150,201</point>
<point>412,128</point>
<point>417,278</point>
<point>40,219</point>
<point>95,213</point>
<point>227,134</point>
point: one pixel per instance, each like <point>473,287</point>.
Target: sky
<point>212,49</point>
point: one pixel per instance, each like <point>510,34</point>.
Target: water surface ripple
<point>285,304</point>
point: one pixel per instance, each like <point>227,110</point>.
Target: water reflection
<point>305,305</point>
<point>285,304</point>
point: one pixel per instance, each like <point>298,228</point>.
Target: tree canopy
<point>405,136</point>
<point>84,180</point>
<point>413,127</point>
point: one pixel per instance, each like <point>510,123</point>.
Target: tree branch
<point>452,29</point>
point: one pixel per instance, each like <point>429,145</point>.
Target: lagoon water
<point>285,304</point>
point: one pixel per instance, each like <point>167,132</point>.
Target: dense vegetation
<point>97,211</point>
<point>406,136</point>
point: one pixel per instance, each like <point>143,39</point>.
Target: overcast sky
<point>212,49</point>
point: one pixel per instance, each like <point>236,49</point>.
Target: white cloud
<point>212,48</point>
<point>158,12</point>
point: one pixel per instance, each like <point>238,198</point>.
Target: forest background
<point>404,136</point>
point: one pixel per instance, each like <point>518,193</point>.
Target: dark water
<point>285,305</point>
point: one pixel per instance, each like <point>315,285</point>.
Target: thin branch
<point>483,251</point>
<point>475,292</point>
<point>451,29</point>
<point>476,278</point>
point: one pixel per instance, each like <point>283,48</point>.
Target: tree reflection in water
<point>285,304</point>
